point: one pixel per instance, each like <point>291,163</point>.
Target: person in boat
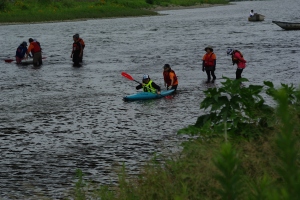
<point>238,59</point>
<point>170,77</point>
<point>209,63</point>
<point>251,13</point>
<point>148,85</point>
<point>76,51</point>
<point>35,49</point>
<point>21,51</point>
<point>82,45</point>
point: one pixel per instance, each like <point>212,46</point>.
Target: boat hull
<point>256,18</point>
<point>147,95</point>
<point>287,25</point>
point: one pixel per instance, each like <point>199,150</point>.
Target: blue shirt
<point>21,50</point>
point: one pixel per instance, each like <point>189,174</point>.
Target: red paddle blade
<point>127,76</point>
<point>8,60</point>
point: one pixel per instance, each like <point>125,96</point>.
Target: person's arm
<point>156,87</point>
<point>172,78</point>
<point>80,54</point>
<point>203,65</point>
<point>140,86</point>
<point>29,50</point>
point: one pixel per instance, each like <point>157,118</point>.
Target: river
<point>58,118</point>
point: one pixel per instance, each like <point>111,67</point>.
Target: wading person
<point>82,45</point>
<point>238,59</point>
<point>209,64</point>
<point>148,85</point>
<point>20,52</point>
<point>170,78</point>
<point>35,50</point>
<point>76,51</point>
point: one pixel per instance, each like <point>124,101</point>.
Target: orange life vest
<point>36,47</point>
<point>167,77</point>
<point>208,61</point>
<point>81,42</point>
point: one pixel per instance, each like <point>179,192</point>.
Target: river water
<point>58,118</point>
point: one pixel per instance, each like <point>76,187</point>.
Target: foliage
<point>52,10</point>
<point>234,108</point>
<point>230,174</point>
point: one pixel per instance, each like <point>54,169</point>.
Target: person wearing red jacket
<point>80,40</point>
<point>170,78</point>
<point>76,51</point>
<point>209,63</point>
<point>238,59</point>
<point>35,49</point>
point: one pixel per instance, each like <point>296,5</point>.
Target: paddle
<point>129,77</point>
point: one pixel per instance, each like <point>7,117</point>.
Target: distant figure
<point>76,51</point>
<point>148,85</point>
<point>21,51</point>
<point>35,50</point>
<point>251,13</point>
<point>170,78</point>
<point>209,63</point>
<point>82,45</point>
<point>238,59</point>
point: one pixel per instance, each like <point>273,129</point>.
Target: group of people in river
<point>208,65</point>
<point>35,51</point>
<point>170,78</point>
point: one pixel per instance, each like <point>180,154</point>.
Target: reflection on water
<point>57,118</point>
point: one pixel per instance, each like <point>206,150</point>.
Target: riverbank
<point>32,11</point>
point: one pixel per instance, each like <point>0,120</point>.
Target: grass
<point>26,11</point>
<point>210,168</point>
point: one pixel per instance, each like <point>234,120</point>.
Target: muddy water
<point>58,118</point>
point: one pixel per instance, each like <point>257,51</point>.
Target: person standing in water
<point>76,50</point>
<point>170,78</point>
<point>35,49</point>
<point>209,63</point>
<point>238,59</point>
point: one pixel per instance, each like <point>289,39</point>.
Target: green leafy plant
<point>234,109</point>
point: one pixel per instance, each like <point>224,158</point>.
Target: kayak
<point>147,95</point>
<point>26,62</point>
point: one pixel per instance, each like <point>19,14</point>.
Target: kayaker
<point>35,50</point>
<point>170,77</point>
<point>148,85</point>
<point>238,59</point>
<point>76,51</point>
<point>209,63</point>
<point>21,51</point>
<point>82,45</point>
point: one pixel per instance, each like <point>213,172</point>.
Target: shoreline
<point>155,9</point>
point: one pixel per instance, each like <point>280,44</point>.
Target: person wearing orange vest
<point>170,78</point>
<point>82,45</point>
<point>76,50</point>
<point>209,63</point>
<point>36,52</point>
<point>238,59</point>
